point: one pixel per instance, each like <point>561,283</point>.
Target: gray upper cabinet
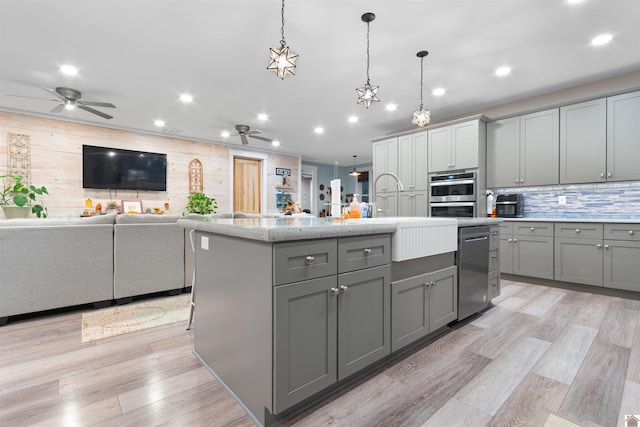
<point>456,146</point>
<point>412,161</point>
<point>524,150</point>
<point>414,203</point>
<point>387,204</point>
<point>583,142</point>
<point>385,159</point>
<point>623,137</point>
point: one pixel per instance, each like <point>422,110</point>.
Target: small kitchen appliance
<point>509,205</point>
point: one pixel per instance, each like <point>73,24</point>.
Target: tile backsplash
<point>615,200</point>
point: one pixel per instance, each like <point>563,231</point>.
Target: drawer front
<point>622,232</point>
<point>356,253</point>
<point>579,230</point>
<point>494,259</point>
<point>304,260</point>
<point>494,285</point>
<point>506,228</point>
<point>534,229</point>
<point>494,237</point>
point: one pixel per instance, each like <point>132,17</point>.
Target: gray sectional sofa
<point>53,263</point>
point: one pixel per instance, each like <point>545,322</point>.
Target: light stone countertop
<point>630,220</point>
<point>472,222</point>
<point>287,228</point>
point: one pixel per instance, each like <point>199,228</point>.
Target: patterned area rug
<point>123,319</point>
<point>546,419</point>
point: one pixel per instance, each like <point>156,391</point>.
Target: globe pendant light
<point>421,117</point>
<point>281,60</point>
<point>355,172</point>
<point>367,93</point>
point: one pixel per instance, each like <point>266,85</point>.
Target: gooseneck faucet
<point>398,183</point>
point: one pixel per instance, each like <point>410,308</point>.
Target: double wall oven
<point>453,195</point>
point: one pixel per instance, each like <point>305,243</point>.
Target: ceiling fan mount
<point>244,131</point>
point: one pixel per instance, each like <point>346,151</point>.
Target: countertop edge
<point>597,220</point>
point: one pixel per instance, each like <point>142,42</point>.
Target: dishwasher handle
<point>475,239</point>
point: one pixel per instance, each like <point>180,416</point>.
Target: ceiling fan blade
<point>58,108</point>
<point>32,97</point>
<point>55,93</point>
<point>244,139</point>
<point>253,132</point>
<point>97,104</point>
<point>96,112</point>
<point>262,138</point>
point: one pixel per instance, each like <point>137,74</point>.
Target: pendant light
<point>367,93</point>
<point>281,60</point>
<point>421,117</point>
<point>355,172</point>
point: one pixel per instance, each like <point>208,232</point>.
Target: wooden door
<point>246,185</point>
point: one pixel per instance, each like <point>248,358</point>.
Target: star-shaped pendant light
<point>281,60</point>
<point>367,93</point>
<point>421,117</point>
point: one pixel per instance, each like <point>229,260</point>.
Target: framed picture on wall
<point>131,206</point>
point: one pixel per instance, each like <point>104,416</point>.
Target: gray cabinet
<point>494,262</point>
<point>414,203</point>
<point>623,137</point>
<point>583,142</point>
<point>457,146</point>
<point>423,304</point>
<point>412,161</point>
<point>523,150</point>
<point>387,204</point>
<point>526,249</point>
<point>579,253</point>
<point>327,328</point>
<point>385,159</point>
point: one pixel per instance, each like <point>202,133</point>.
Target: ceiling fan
<point>244,131</point>
<point>70,99</point>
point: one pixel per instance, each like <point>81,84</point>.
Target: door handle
<point>343,289</point>
<point>334,291</point>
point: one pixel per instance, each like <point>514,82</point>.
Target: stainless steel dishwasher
<point>472,259</point>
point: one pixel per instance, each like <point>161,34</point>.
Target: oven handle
<point>451,204</point>
<point>453,182</point>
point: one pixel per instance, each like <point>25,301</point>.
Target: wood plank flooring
<point>538,350</point>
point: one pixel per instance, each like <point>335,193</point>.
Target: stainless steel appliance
<point>453,195</point>
<point>509,205</point>
<point>473,270</point>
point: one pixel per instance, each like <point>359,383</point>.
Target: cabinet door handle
<point>412,186</point>
<point>599,246</point>
<point>533,229</point>
<point>515,240</point>
<point>577,230</point>
<point>433,284</point>
<point>494,256</point>
<point>606,246</point>
<point>630,232</point>
<point>609,175</point>
<point>517,180</point>
<point>602,175</point>
<point>367,251</point>
<point>494,234</point>
<point>384,188</point>
<point>310,260</point>
<point>510,240</point>
<point>334,291</point>
<point>343,289</point>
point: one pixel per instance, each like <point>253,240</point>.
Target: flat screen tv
<point>119,169</point>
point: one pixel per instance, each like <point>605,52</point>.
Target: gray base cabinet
<point>526,249</point>
<point>622,265</point>
<point>579,261</point>
<point>423,304</point>
<point>494,262</point>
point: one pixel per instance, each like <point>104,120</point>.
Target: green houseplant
<point>15,193</point>
<point>199,203</point>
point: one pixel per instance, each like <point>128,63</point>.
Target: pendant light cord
<point>367,53</point>
<point>283,43</point>
<point>421,75</point>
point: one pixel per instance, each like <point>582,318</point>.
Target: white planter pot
<point>11,212</point>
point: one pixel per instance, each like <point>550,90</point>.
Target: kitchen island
<point>289,309</point>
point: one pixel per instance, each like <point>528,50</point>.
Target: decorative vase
<point>12,212</point>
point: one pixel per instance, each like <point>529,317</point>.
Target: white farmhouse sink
<point>418,237</point>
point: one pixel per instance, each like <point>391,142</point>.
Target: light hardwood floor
<point>539,350</point>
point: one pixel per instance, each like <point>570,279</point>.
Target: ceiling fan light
<point>69,105</point>
<point>421,118</point>
<point>275,143</point>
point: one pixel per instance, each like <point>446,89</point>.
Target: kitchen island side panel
<point>233,315</point>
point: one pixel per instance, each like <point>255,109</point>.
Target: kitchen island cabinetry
<point>523,150</point>
<point>423,304</point>
<point>526,249</point>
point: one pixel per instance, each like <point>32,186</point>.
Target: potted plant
<point>199,203</point>
<point>16,196</point>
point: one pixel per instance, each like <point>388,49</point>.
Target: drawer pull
<point>599,246</point>
<point>533,229</point>
<point>334,291</point>
<point>577,230</point>
<point>630,232</point>
<point>515,240</point>
<point>606,246</point>
<point>494,256</point>
<point>310,260</point>
<point>367,251</point>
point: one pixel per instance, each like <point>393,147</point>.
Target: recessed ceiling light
<point>186,98</point>
<point>69,70</point>
<point>439,91</point>
<point>159,123</point>
<point>275,143</point>
<point>600,40</point>
<point>318,130</point>
<point>225,134</point>
<point>574,1</point>
<point>391,107</point>
<point>503,71</point>
<point>353,119</point>
<point>263,117</point>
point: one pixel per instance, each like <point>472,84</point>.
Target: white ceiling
<point>142,54</point>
